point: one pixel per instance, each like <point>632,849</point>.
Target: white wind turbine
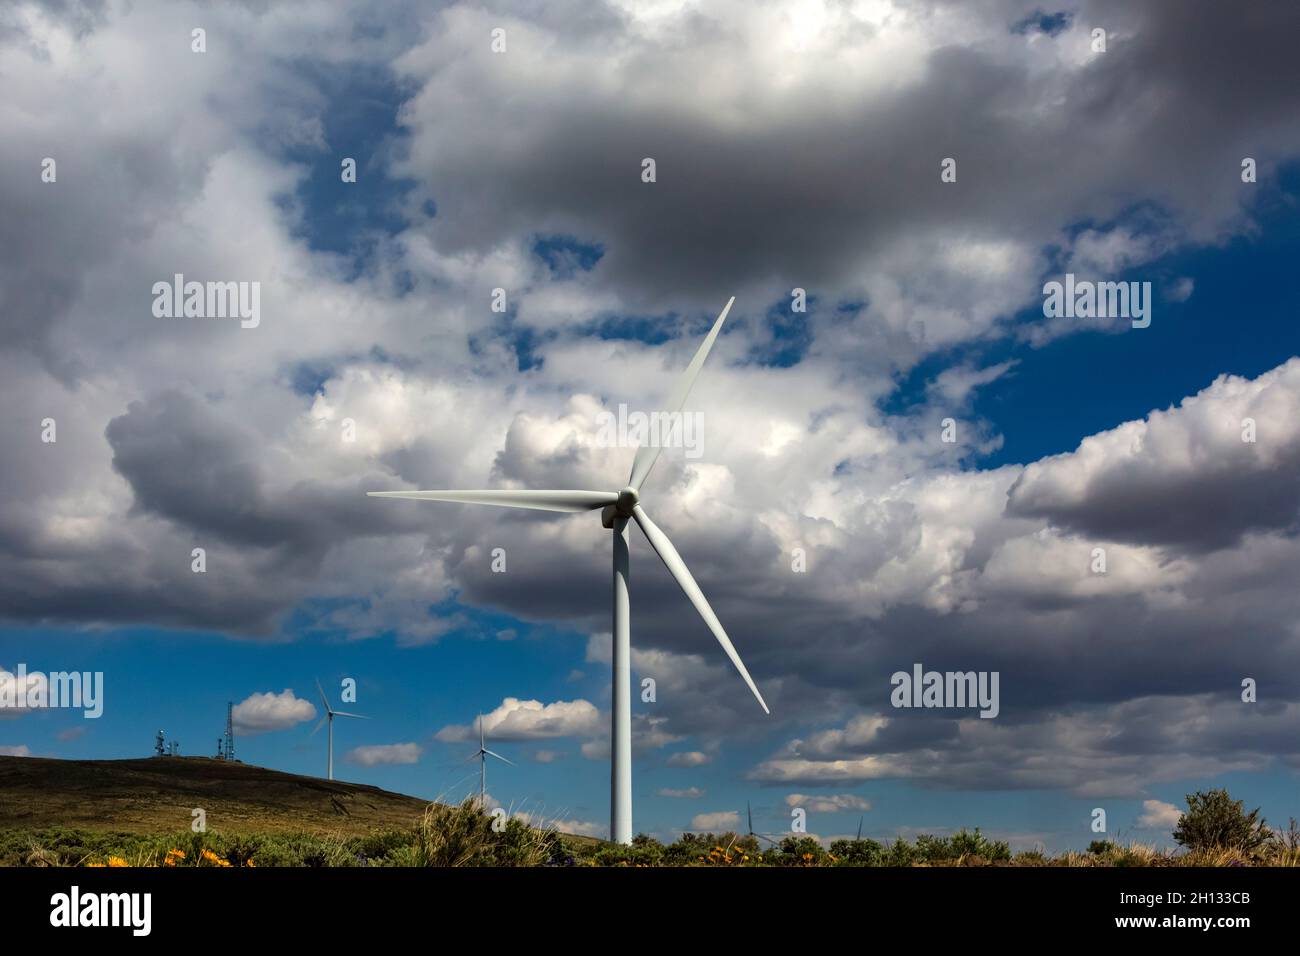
<point>330,714</point>
<point>482,754</point>
<point>616,509</point>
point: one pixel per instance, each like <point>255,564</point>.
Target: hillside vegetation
<point>137,813</point>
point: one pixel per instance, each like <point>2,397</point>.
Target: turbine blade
<point>492,753</point>
<point>322,696</point>
<point>319,726</point>
<point>682,575</point>
<point>567,501</point>
<point>344,713</point>
<point>647,455</point>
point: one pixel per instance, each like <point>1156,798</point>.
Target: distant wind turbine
<point>483,754</point>
<point>616,509</point>
<point>330,714</point>
<point>750,813</point>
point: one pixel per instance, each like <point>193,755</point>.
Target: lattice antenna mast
<point>230,730</point>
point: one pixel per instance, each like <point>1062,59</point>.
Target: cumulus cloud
<point>1228,455</point>
<point>259,713</point>
<point>689,758</point>
<point>1095,750</point>
<point>827,803</point>
<point>19,750</point>
<point>720,821</point>
<point>376,755</point>
<point>1157,815</point>
<point>518,720</point>
<point>688,793</point>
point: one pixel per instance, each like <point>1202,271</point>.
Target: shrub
<point>1213,820</point>
<point>975,844</point>
<point>798,851</point>
<point>901,853</point>
<point>857,853</point>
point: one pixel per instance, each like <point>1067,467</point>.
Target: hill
<point>157,795</point>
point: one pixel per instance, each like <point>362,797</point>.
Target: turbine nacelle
<point>624,507</point>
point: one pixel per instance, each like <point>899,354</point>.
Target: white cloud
<point>516,720</point>
<point>689,793</point>
<point>721,821</point>
<point>259,713</point>
<point>20,750</point>
<point>375,755</point>
<point>827,803</point>
<point>1157,815</point>
<point>792,769</point>
<point>689,758</point>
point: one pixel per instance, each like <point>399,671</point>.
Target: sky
<point>837,534</point>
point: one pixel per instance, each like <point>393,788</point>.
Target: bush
<point>1214,821</point>
<point>901,853</point>
<point>798,851</point>
<point>857,853</point>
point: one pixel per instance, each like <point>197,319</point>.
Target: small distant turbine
<point>483,754</point>
<point>330,714</point>
<point>617,509</point>
<point>750,813</point>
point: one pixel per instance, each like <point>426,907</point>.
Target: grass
<point>159,794</point>
<point>449,836</point>
<point>52,813</point>
<point>444,836</point>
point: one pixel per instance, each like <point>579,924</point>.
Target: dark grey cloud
<point>808,184</point>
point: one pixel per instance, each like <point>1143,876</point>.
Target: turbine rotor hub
<point>627,500</point>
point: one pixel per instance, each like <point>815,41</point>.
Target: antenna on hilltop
<point>230,731</point>
<point>159,747</point>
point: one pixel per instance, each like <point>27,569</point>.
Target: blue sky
<point>476,173</point>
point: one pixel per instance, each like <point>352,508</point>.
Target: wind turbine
<point>750,814</point>
<point>483,754</point>
<point>617,508</point>
<point>330,714</point>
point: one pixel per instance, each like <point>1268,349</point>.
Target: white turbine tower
<point>482,754</point>
<point>616,509</point>
<point>330,714</point>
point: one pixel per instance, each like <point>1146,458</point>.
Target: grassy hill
<point>157,795</point>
